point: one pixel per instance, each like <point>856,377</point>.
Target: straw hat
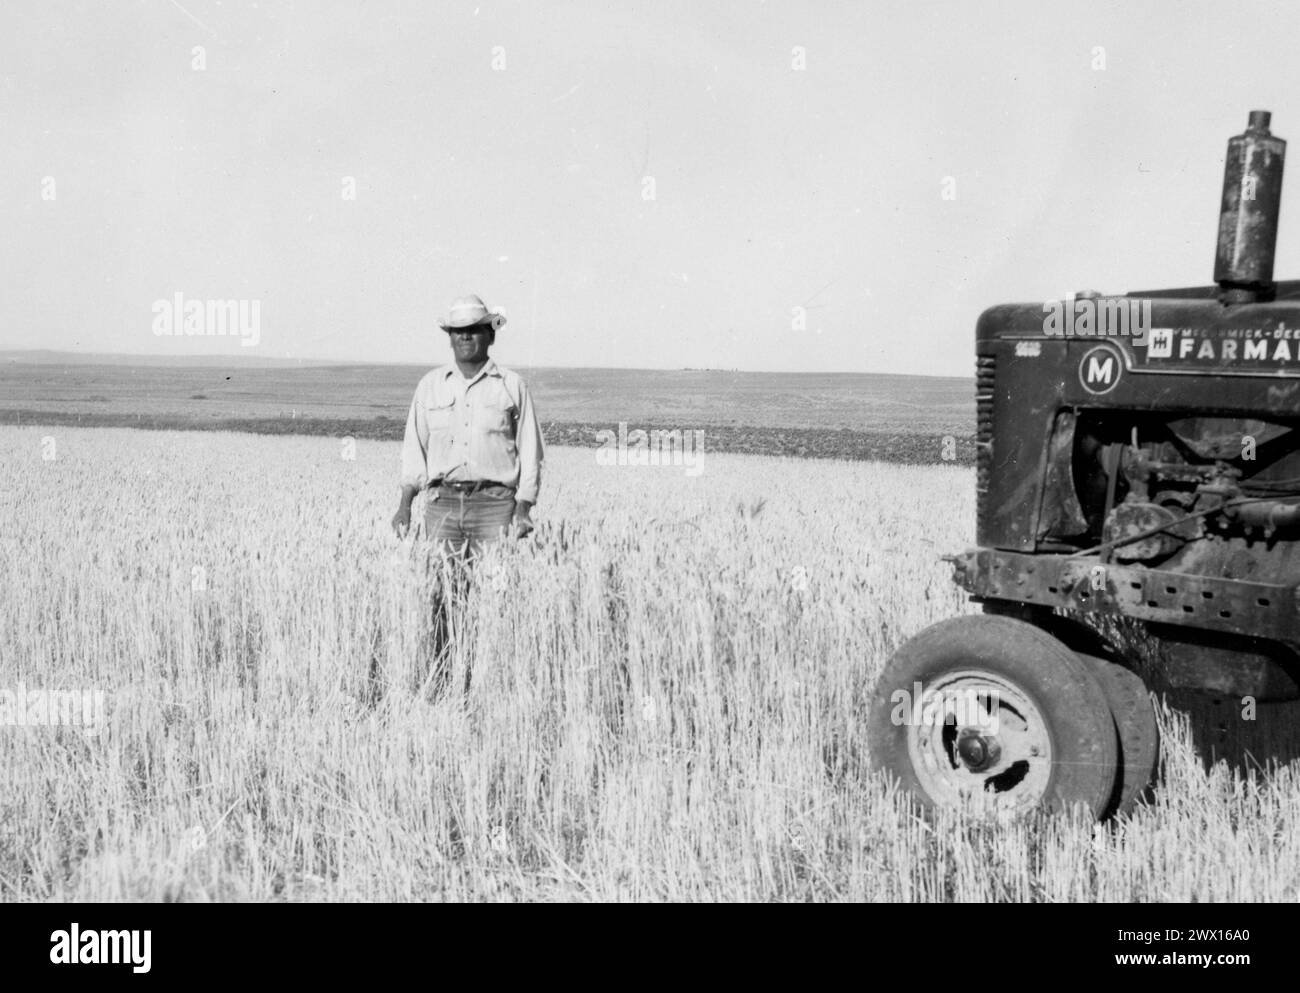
<point>469,311</point>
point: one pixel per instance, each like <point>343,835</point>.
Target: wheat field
<point>658,697</point>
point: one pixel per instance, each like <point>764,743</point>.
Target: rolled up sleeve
<point>415,446</point>
<point>528,443</point>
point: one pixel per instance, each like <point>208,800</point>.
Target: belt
<point>471,486</point>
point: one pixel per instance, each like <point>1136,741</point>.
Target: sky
<point>769,186</point>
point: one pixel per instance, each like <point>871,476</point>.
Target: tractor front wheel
<point>1135,722</point>
<point>992,714</point>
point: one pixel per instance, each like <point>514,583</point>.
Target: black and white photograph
<point>739,452</point>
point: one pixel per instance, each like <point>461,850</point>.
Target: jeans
<point>459,524</point>
<point>462,522</point>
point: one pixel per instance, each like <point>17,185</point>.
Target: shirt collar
<point>490,369</point>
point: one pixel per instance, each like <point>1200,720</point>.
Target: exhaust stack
<point>1252,192</point>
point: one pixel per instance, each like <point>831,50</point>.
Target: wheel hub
<point>978,739</point>
<point>977,751</point>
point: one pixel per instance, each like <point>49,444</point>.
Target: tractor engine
<point>1138,455</point>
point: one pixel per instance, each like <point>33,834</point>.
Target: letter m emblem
<point>1100,369</point>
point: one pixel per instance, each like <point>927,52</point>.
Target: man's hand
<point>402,519</point>
<point>523,522</point>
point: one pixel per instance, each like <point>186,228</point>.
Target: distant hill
<point>683,375</point>
<point>837,415</point>
<point>46,356</point>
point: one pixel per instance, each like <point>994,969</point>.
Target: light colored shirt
<point>483,428</point>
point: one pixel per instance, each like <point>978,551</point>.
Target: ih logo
<point>1100,369</point>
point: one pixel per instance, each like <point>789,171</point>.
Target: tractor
<point>1137,468</point>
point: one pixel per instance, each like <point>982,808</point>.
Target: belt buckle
<point>467,485</point>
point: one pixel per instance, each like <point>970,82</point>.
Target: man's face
<point>471,344</point>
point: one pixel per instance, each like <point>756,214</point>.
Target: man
<point>472,439</point>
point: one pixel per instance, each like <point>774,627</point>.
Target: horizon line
<point>11,355</point>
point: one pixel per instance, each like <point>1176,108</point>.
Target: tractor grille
<point>985,375</point>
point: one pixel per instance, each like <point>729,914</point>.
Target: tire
<point>1135,726</point>
<point>1024,723</point>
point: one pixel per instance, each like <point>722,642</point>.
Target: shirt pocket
<point>438,415</point>
<point>499,416</point>
<point>440,419</point>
